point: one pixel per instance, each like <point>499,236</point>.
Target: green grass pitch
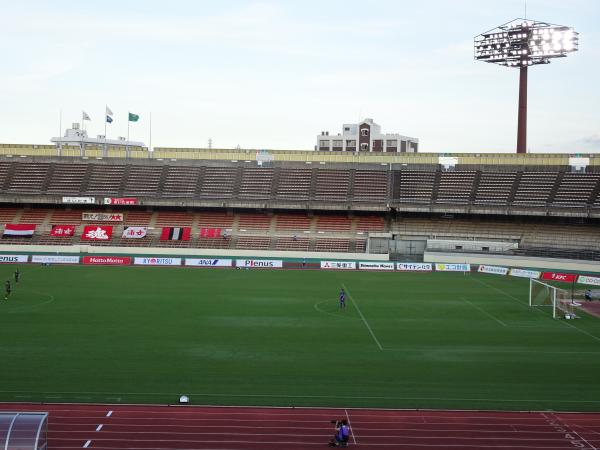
<point>267,337</point>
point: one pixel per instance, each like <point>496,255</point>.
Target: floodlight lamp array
<point>525,42</point>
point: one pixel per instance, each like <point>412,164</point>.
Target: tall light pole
<point>522,43</point>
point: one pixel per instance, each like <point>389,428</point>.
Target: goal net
<point>542,294</point>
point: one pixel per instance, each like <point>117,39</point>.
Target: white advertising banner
<point>414,267</point>
<point>157,261</point>
<point>259,263</point>
<point>55,259</point>
<point>7,259</point>
<point>453,267</point>
<point>524,273</point>
<point>583,279</point>
<point>102,217</point>
<point>495,270</point>
<point>365,265</point>
<point>341,265</point>
<point>199,262</point>
<point>79,200</point>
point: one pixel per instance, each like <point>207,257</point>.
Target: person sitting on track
<point>342,434</point>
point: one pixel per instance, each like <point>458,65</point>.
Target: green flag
<point>133,117</point>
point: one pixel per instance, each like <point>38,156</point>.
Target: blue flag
<point>109,119</point>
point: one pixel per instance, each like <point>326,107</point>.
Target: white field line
<point>564,322</point>
<point>484,312</point>
<point>350,426</point>
<point>363,318</point>
<point>87,443</point>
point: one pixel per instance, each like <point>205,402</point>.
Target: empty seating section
<point>254,221</point>
<point>174,219</point>
<point>67,179</point>
<point>28,178</point>
<point>457,228</point>
<point>455,187</point>
<point>105,179</point>
<point>370,224</point>
<point>256,183</point>
<point>294,184</point>
<point>5,170</point>
<point>413,186</point>
<point>7,215</point>
<point>218,243</point>
<point>332,185</point>
<point>292,243</point>
<point>332,245</point>
<point>494,188</point>
<point>370,186</point>
<point>576,189</point>
<point>334,223</point>
<point>36,216</point>
<point>293,222</point>
<point>142,181</point>
<point>215,220</point>
<point>253,242</point>
<point>360,246</point>
<point>140,218</point>
<point>180,181</point>
<point>65,217</point>
<point>218,182</point>
<point>535,188</point>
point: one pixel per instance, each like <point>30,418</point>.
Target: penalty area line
<point>363,317</point>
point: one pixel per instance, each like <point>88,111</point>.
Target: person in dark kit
<point>342,298</point>
<point>17,275</point>
<point>7,289</point>
<point>342,433</point>
<point>588,295</point>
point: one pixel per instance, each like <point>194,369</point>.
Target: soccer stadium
<point>364,293</point>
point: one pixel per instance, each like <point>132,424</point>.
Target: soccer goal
<point>542,294</point>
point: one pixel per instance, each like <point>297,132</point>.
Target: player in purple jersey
<point>342,298</point>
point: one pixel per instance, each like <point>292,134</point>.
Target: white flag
<point>108,111</point>
<point>85,116</point>
<point>134,232</point>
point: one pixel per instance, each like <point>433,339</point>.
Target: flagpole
<point>127,147</point>
<point>59,131</point>
<point>150,144</point>
<point>105,121</point>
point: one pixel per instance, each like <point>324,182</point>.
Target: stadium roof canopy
<point>24,430</point>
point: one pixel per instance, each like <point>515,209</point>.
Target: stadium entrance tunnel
<point>24,431</point>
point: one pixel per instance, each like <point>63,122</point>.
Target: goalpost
<point>542,294</point>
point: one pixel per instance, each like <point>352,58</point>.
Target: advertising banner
<point>524,273</point>
<point>79,200</point>
<point>583,279</point>
<point>62,230</point>
<point>175,233</point>
<point>102,217</point>
<point>453,267</point>
<point>97,233</point>
<point>341,265</point>
<point>120,201</point>
<point>55,259</point>
<point>376,265</point>
<point>107,260</point>
<point>157,261</point>
<point>259,263</point>
<point>495,270</point>
<point>414,267</point>
<point>8,259</point>
<point>134,232</point>
<point>210,232</point>
<point>557,276</point>
<point>199,262</point>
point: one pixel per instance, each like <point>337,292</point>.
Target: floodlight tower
<point>522,43</point>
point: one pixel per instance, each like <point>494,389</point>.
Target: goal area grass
<point>278,337</point>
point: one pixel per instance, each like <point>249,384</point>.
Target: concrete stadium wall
<point>155,251</point>
<point>514,261</point>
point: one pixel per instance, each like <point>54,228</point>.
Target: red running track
<point>74,426</point>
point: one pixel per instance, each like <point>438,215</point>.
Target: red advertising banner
<point>107,260</point>
<point>120,201</point>
<point>175,234</point>
<point>557,276</point>
<point>62,230</point>
<point>210,232</point>
<point>97,233</point>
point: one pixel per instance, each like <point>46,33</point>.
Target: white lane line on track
<point>363,317</point>
<point>108,414</point>
<point>99,427</point>
<point>350,426</point>
<point>87,443</point>
<point>569,428</point>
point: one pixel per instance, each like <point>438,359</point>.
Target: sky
<point>274,74</point>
